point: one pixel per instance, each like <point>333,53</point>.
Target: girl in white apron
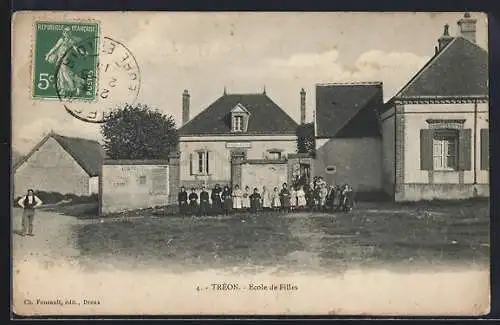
<point>245,201</point>
<point>266,199</point>
<point>301,198</point>
<point>237,196</point>
<point>293,198</point>
<point>275,199</point>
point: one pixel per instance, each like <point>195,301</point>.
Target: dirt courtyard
<point>364,262</point>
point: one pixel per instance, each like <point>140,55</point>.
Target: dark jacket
<point>183,197</point>
<point>193,197</point>
<point>215,196</point>
<point>204,197</point>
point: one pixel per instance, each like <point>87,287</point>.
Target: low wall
<point>417,192</point>
<point>137,184</point>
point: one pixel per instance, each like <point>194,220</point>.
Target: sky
<point>244,52</point>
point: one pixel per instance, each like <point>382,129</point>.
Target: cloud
<point>394,69</point>
<point>307,60</point>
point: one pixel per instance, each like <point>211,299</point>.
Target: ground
<point>373,235</point>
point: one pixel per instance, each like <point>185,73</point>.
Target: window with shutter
<point>485,149</point>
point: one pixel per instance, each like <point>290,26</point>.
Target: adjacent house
<point>60,164</point>
<point>435,129</point>
<point>348,134</point>
<point>248,127</point>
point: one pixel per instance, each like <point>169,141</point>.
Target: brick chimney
<point>185,106</point>
<point>467,26</point>
<point>302,106</point>
<point>445,39</point>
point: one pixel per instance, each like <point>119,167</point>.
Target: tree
<point>139,132</point>
<point>305,139</point>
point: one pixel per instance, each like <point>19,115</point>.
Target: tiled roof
<point>89,154</point>
<point>459,69</point>
<point>266,117</point>
<point>348,110</point>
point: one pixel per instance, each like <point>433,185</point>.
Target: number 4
<point>44,81</point>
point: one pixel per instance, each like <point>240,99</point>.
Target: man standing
<point>29,202</point>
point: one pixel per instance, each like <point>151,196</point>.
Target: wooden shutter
<point>464,149</point>
<point>426,161</point>
<point>485,149</point>
<point>191,164</point>
<point>211,162</point>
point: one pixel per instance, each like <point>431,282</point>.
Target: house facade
<point>348,134</point>
<point>435,130</point>
<point>242,128</point>
<point>60,164</point>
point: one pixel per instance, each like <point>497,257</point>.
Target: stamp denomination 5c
<point>55,43</point>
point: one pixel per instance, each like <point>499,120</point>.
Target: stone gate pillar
<point>174,176</point>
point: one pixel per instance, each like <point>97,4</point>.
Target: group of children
<point>314,197</point>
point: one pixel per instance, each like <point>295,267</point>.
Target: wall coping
<point>135,162</point>
<point>264,161</point>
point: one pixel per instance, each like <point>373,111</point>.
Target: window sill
<point>445,170</point>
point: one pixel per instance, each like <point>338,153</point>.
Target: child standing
<point>266,199</point>
<point>245,201</point>
<point>293,198</point>
<point>237,196</point>
<point>323,193</point>
<point>301,198</point>
<point>255,200</point>
<point>275,199</point>
<point>193,201</point>
<point>285,198</point>
<point>227,200</point>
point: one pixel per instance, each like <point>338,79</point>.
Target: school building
<point>240,139</point>
<point>435,134</point>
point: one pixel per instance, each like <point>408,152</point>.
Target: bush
<point>55,197</point>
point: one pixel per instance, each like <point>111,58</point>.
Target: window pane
<point>445,149</point>
<point>200,162</point>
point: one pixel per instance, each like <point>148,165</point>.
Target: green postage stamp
<point>65,60</point>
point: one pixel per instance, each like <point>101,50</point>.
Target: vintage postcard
<point>250,163</point>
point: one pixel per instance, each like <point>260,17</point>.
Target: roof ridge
<point>425,67</point>
<point>75,138</point>
<point>32,151</point>
<point>352,83</point>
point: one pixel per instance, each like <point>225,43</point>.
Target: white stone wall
<point>134,186</point>
<point>415,119</point>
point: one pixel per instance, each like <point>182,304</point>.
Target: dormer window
<point>239,118</point>
<point>237,123</point>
